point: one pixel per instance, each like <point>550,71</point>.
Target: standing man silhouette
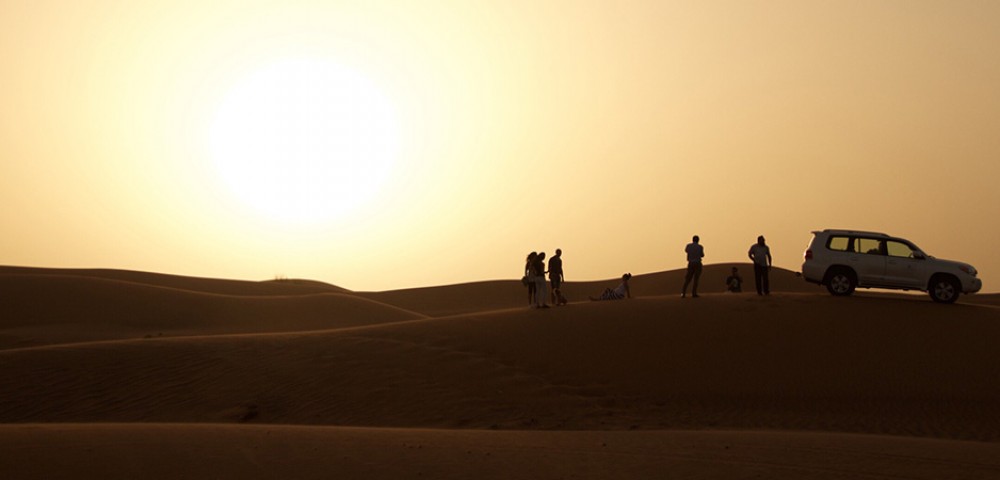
<point>695,252</point>
<point>556,277</point>
<point>760,253</point>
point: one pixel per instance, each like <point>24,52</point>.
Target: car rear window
<point>838,244</point>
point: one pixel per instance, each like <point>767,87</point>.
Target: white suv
<point>845,259</point>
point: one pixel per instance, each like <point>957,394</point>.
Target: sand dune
<point>500,294</point>
<point>251,452</point>
<point>796,385</point>
<point>988,299</point>
<point>794,361</point>
<point>46,309</point>
<point>194,284</point>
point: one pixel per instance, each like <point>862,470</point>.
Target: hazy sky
<point>613,130</point>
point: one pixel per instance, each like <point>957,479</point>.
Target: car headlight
<point>968,269</point>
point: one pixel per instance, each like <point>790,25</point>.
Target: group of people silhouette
<point>759,253</point>
<point>538,296</point>
<point>534,279</point>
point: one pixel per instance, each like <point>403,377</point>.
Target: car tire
<point>944,289</point>
<point>841,282</point>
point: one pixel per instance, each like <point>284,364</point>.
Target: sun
<point>304,141</point>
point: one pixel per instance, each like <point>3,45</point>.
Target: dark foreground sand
<point>109,374</point>
<point>158,451</point>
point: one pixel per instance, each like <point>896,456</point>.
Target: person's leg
<point>531,290</point>
<point>687,279</point>
<point>697,275</point>
<point>767,282</point>
<point>758,278</point>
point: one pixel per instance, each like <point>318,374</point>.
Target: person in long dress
<point>529,276</point>
<point>541,292</point>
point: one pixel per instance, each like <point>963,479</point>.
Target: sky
<point>379,145</point>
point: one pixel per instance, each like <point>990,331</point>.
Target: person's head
<point>626,277</point>
<point>532,255</point>
<point>558,252</point>
<point>695,239</point>
<point>541,255</point>
<point>760,240</point>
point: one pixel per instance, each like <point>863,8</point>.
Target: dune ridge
<point>180,282</point>
<point>502,294</point>
<point>47,309</point>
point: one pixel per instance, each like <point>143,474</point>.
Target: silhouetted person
<point>618,293</point>
<point>556,277</point>
<point>734,282</point>
<point>695,252</point>
<point>529,276</point>
<point>538,269</point>
<point>760,253</point>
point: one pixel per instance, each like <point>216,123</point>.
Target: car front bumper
<point>973,286</point>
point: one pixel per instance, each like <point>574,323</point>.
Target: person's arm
<point>750,253</point>
<point>769,258</point>
<point>628,293</point>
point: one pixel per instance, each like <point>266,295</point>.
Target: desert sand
<point>113,374</point>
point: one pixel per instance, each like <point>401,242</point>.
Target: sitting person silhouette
<point>734,282</point>
<point>618,293</point>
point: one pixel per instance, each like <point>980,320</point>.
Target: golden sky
<point>612,130</point>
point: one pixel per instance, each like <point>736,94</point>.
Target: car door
<point>869,261</point>
<point>901,268</point>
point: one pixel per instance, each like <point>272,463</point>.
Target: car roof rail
<point>855,232</point>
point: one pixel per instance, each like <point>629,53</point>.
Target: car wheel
<point>944,289</point>
<point>841,282</point>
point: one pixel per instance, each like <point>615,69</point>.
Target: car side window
<point>898,249</point>
<point>867,245</point>
<point>839,244</point>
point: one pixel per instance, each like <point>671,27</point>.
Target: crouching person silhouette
<point>734,282</point>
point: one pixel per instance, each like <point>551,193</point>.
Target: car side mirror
<point>919,256</point>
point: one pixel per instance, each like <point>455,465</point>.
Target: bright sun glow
<point>304,141</point>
